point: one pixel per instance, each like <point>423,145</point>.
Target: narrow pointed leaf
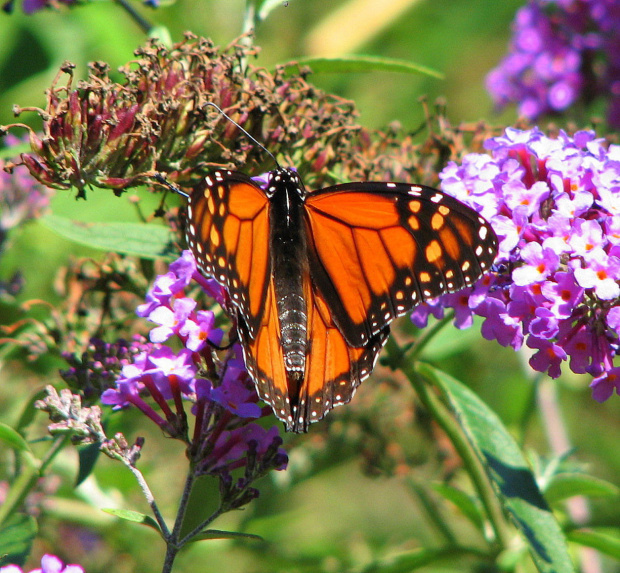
<point>507,469</point>
<point>13,439</point>
<point>217,534</point>
<point>415,559</point>
<point>357,64</point>
<point>88,456</point>
<point>601,541</point>
<point>468,506</point>
<point>566,485</point>
<point>16,538</point>
<point>138,239</point>
<point>134,517</point>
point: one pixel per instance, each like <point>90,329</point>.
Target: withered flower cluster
<point>83,425</point>
<point>115,135</point>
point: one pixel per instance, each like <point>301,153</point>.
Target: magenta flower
<point>560,52</point>
<point>171,320</point>
<point>232,447</point>
<point>236,395</point>
<point>222,395</point>
<point>199,330</point>
<point>603,386</point>
<point>49,564</point>
<point>555,205</point>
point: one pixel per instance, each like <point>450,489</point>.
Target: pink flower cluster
<point>555,205</point>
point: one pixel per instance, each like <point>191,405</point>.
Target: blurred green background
<point>325,513</point>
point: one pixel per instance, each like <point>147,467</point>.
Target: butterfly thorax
<point>289,270</point>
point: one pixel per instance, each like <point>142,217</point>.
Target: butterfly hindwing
<point>334,369</point>
<point>379,249</point>
<point>228,222</point>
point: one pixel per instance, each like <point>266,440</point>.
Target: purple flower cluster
<point>561,51</point>
<point>221,391</point>
<point>555,205</point>
<point>32,6</point>
<point>99,365</point>
<point>49,564</point>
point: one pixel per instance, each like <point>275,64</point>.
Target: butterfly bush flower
<point>97,368</point>
<point>225,403</point>
<point>561,52</point>
<point>555,205</point>
<point>49,564</point>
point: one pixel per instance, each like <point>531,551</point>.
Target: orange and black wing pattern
<point>334,369</point>
<point>379,249</point>
<point>369,252</point>
<point>227,231</point>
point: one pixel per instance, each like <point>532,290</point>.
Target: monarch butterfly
<point>315,278</point>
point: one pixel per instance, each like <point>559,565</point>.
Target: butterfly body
<point>315,278</point>
<point>290,272</point>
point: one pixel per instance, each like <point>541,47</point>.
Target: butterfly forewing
<point>379,249</point>
<point>228,222</point>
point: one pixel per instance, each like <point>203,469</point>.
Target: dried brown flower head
<point>116,135</point>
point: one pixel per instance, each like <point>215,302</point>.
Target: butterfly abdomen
<point>289,268</point>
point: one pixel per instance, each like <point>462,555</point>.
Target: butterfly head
<point>281,180</point>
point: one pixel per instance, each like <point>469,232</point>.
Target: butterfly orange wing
<point>379,249</point>
<point>228,233</point>
<point>375,250</point>
<point>334,369</point>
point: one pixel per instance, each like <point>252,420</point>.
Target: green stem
<point>150,498</point>
<point>447,422</point>
<point>248,28</point>
<point>219,511</point>
<point>432,511</point>
<point>187,490</point>
<point>428,335</point>
<point>143,23</point>
<point>31,471</point>
<point>173,544</point>
<point>249,18</point>
<point>171,553</point>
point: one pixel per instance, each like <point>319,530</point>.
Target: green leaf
<point>88,456</point>
<point>411,560</point>
<point>508,471</point>
<point>217,534</point>
<point>565,485</point>
<point>599,540</point>
<point>139,239</point>
<point>28,410</point>
<point>464,502</point>
<point>357,64</point>
<point>13,438</point>
<point>16,538</point>
<point>134,517</point>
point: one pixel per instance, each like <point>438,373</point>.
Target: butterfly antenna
<point>246,133</point>
<point>161,179</point>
